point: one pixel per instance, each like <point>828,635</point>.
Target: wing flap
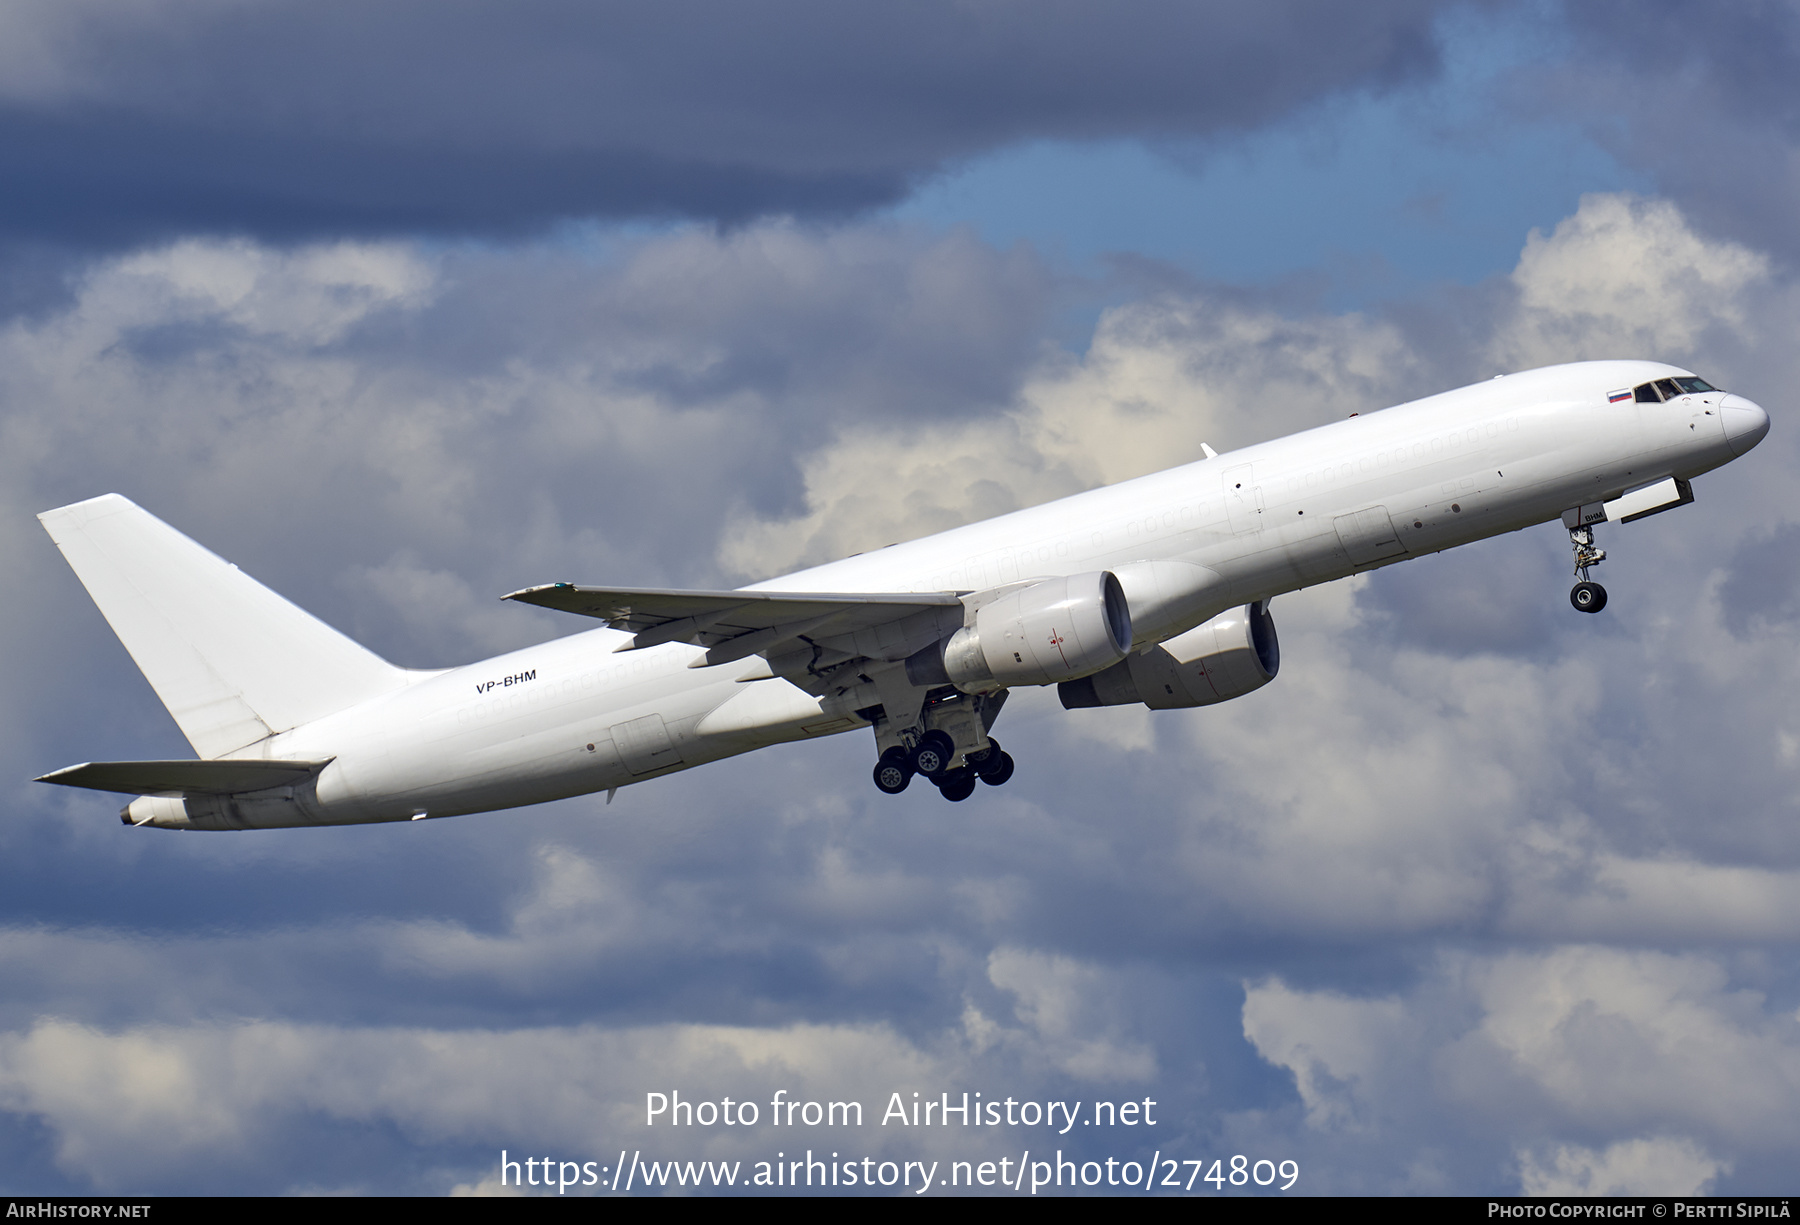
<point>185,777</point>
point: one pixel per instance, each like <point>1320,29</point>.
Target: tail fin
<point>233,661</point>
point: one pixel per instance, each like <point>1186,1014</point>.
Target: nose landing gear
<point>1587,596</point>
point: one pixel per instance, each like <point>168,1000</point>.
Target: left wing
<point>733,624</point>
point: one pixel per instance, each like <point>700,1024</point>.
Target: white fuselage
<point>576,715</point>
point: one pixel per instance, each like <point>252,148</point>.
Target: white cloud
<point>1623,277</point>
<point>1337,1048</point>
<point>1662,1052</point>
<point>310,296</point>
<point>126,1105</point>
<point>1657,1166</point>
<point>1067,1009</point>
<point>1638,1040</point>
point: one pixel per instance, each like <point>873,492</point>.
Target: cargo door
<point>1368,535</point>
<point>645,745</point>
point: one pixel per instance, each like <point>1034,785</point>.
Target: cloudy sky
<point>403,306</point>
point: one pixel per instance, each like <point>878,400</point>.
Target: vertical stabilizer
<point>233,661</point>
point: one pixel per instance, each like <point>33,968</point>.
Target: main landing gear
<point>932,756</point>
<point>1587,596</point>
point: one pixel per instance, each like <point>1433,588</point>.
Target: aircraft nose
<point>1745,422</point>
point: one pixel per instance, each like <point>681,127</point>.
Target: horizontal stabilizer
<point>711,618</point>
<point>185,777</point>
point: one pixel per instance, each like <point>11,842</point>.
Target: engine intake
<point>1227,657</point>
<point>1054,630</point>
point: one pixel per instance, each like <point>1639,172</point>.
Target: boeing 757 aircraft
<point>1155,590</point>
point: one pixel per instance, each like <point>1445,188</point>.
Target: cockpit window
<point>1668,389</point>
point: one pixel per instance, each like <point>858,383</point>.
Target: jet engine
<point>1052,630</point>
<point>269,810</point>
<point>1225,658</point>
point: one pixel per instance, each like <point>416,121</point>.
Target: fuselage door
<point>1368,535</point>
<point>645,745</point>
<point>1243,499</point>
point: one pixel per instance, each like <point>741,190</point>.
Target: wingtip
<point>56,776</point>
<point>525,593</point>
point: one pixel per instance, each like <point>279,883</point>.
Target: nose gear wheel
<point>1587,596</point>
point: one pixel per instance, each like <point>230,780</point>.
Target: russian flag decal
<point>1613,397</point>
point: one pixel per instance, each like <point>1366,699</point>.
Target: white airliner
<point>1155,590</point>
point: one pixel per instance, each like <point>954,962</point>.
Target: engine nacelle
<point>1056,629</point>
<point>267,810</point>
<point>1167,597</point>
<point>1225,658</point>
